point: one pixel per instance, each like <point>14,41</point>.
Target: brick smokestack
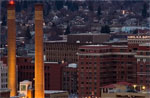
<point>11,60</point>
<point>39,65</point>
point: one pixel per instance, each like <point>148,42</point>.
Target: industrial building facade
<point>61,51</point>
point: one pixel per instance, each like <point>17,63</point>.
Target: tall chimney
<point>11,60</point>
<point>39,65</point>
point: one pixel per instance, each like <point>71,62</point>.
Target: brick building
<point>65,50</point>
<point>4,93</point>
<point>134,41</point>
<point>53,72</point>
<point>69,78</point>
<point>140,45</point>
<point>143,65</point>
<point>100,65</point>
<point>88,38</point>
<point>58,51</point>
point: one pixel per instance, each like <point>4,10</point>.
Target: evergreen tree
<point>105,29</point>
<point>25,5</point>
<point>18,7</point>
<point>4,21</point>
<point>67,30</point>
<point>28,35</point>
<point>135,31</point>
<point>72,6</point>
<point>91,6</point>
<point>59,4</point>
<point>144,11</point>
<point>99,11</point>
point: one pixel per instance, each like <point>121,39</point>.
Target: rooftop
<point>50,62</point>
<point>4,90</point>
<point>89,34</point>
<point>56,41</point>
<point>119,83</point>
<point>54,91</point>
<point>25,81</point>
<point>145,44</point>
<point>72,65</point>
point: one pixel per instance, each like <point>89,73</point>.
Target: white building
<point>25,87</point>
<point>3,75</point>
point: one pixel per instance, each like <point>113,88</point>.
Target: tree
<point>99,11</point>
<point>25,5</point>
<point>72,6</point>
<point>59,4</point>
<point>4,21</point>
<point>47,9</point>
<point>18,7</point>
<point>67,30</point>
<point>144,11</point>
<point>135,31</point>
<point>28,35</point>
<point>90,6</point>
<point>105,29</point>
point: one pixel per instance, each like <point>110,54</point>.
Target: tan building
<point>122,90</point>
<point>56,94</point>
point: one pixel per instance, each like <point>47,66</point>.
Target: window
<point>82,50</point>
<point>23,87</point>
<point>147,53</point>
<point>82,62</point>
<point>147,66</point>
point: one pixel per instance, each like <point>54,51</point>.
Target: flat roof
<point>96,45</point>
<point>144,44</point>
<point>119,46</point>
<point>50,62</point>
<point>26,81</point>
<point>72,65</point>
<point>55,41</point>
<point>4,90</point>
<point>54,91</point>
<point>89,34</point>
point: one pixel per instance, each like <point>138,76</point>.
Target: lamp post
<point>134,86</point>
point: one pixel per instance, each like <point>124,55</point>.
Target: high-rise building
<point>100,65</point>
<point>143,65</point>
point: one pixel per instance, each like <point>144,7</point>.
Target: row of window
<point>107,62</point>
<point>4,86</point>
<point>3,74</point>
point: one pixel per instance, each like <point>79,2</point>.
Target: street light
<point>143,87</point>
<point>134,86</point>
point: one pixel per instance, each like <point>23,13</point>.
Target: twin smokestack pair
<point>39,68</point>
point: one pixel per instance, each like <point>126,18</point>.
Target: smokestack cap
<point>11,5</point>
<point>39,7</point>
